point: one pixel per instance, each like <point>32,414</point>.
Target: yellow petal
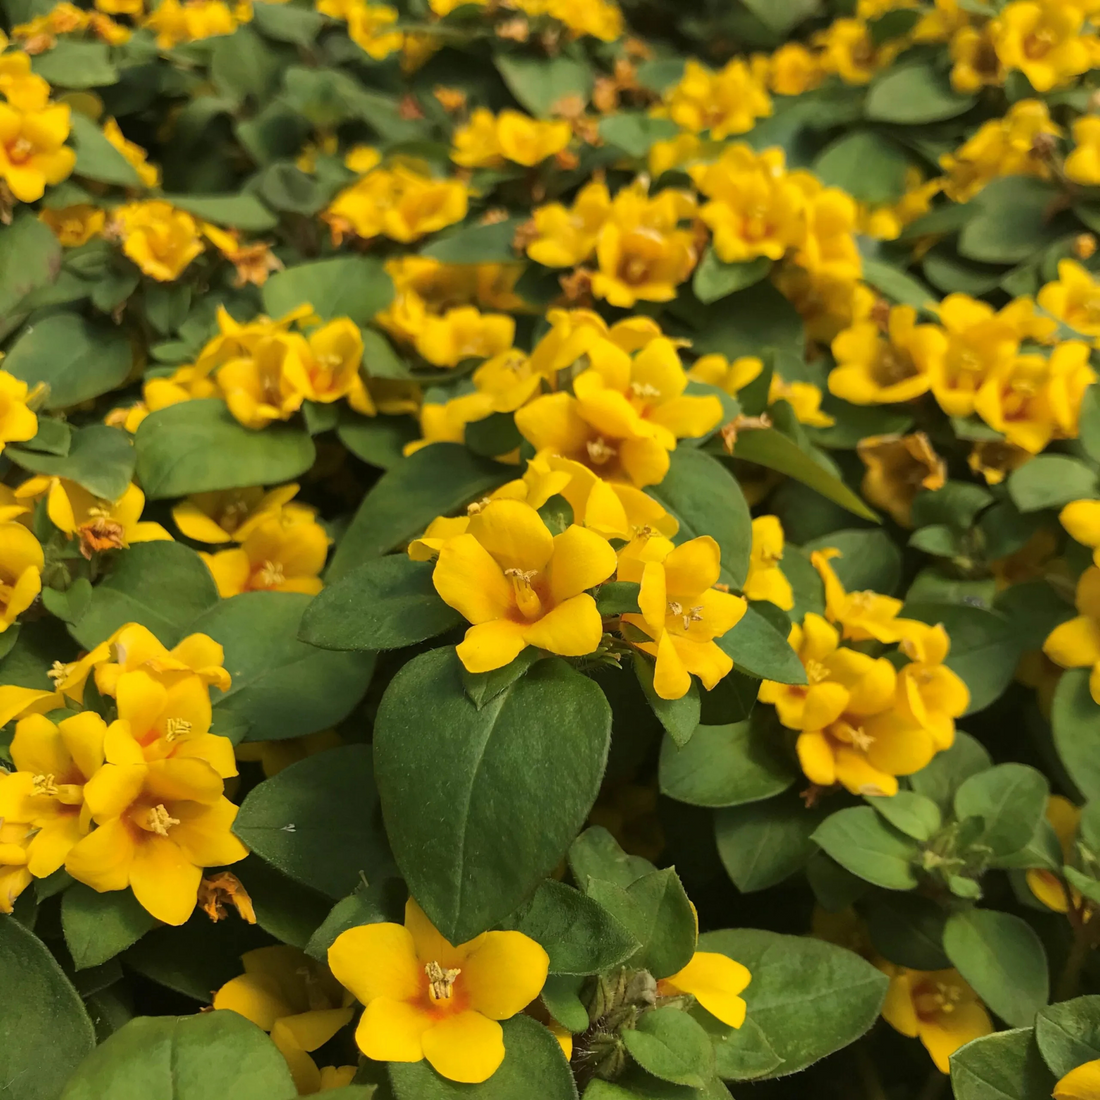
<point>693,567</point>
<point>468,578</point>
<point>825,703</point>
<point>815,754</point>
<point>671,680</point>
<point>310,1030</point>
<point>581,560</point>
<point>392,1031</point>
<point>83,735</point>
<point>715,980</point>
<point>571,629</point>
<point>465,1047</point>
<point>103,858</point>
<point>513,532</point>
<point>1081,519</point>
<point>256,997</point>
<point>112,789</point>
<point>1081,1083</point>
<point>504,974</point>
<point>52,843</point>
<point>1075,644</point>
<point>898,1009</point>
<point>164,880</point>
<point>947,1031</point>
<point>377,960</point>
<point>38,747</point>
<point>492,645</point>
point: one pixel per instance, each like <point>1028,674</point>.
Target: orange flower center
<point>1039,44</point>
<point>20,151</point>
<point>269,575</point>
<point>527,599</point>
<point>441,981</point>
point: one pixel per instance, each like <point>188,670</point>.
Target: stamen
<point>644,389</point>
<point>270,574</point>
<point>441,981</point>
<point>159,820</point>
<point>692,615</point>
<point>44,785</point>
<point>59,671</point>
<point>176,727</point>
<point>816,672</point>
<point>599,452</point>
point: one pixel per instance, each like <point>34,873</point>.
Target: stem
<point>872,1083</point>
<point>1070,981</point>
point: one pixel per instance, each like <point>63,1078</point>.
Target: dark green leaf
<point>913,92</point>
<point>378,440</point>
<point>618,598</point>
<point>30,258</point>
<point>908,930</point>
<point>758,648</point>
<point>940,779</point>
<point>668,1043</point>
<point>476,244</point>
<point>868,165</point>
<point>237,211</point>
<point>860,841</point>
<point>96,158</point>
<point>1010,799</point>
<point>595,854</point>
<point>714,279</point>
<point>1068,1034</point>
<point>1003,1066</point>
<point>101,459</point>
<point>911,813</point>
<point>1013,220</point>
<point>679,717</point>
<point>98,926</point>
<point>764,843</point>
<point>383,900</point>
<point>347,286</point>
<point>1049,481</point>
<point>1075,719</point>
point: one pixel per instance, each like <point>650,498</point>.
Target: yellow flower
<point>804,399</point>
<point>665,155</point>
<point>1081,518</point>
<point>368,28</point>
<point>23,89</point>
<point>898,467</point>
<point>231,515</point>
<point>160,239</point>
<point>995,459</point>
<point>885,223</point>
<point>727,102</point>
<point>1064,818</point>
<point>937,1007</point>
<point>828,246</point>
<point>134,648</point>
<point>270,383</point>
<point>1074,298</point>
<point>599,18</point>
<point>15,876</point>
<point>175,23</point>
<point>74,225</point>
<point>254,262</point>
<point>519,585</point>
<point>715,981</point>
<point>862,615</point>
<point>1083,163</point>
<point>794,69</point>
<point>975,61</point>
<point>426,998</point>
<point>1000,147</point>
<point>475,142</point>
<point>732,377</point>
<point>279,554</point>
<point>642,254</point>
<point>528,141</point>
<point>445,422</point>
<point>21,564</point>
<point>464,333</point>
<point>17,422</point>
<point>848,51</point>
<point>827,304</point>
<point>980,343</point>
<point>1081,1083</point>
<point>1043,40</point>
<point>565,237</point>
<point>1076,644</point>
<point>842,737</point>
<point>682,612</point>
<point>33,153</point>
<point>134,154</point>
<point>54,763</point>
<point>875,368</point>
<point>929,693</point>
<point>1038,399</point>
<point>121,7</point>
<point>766,580</point>
<point>293,998</point>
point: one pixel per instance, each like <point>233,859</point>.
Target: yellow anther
<point>442,981</point>
<point>176,727</point>
<point>44,785</point>
<point>159,820</point>
<point>816,672</point>
<point>58,671</point>
<point>270,574</point>
<point>599,452</point>
<point>644,389</point>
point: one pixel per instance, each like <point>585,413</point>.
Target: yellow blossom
<point>74,225</point>
<point>975,61</point>
<point>938,1007</point>
<point>369,27</point>
<point>445,422</point>
<point>519,585</point>
<point>135,156</point>
<point>793,69</point>
<point>293,998</point>
<point>121,7</point>
<point>898,467</point>
<point>17,422</point>
<point>463,333</point>
<point>427,998</point>
<point>804,399</point>
<point>1081,1083</point>
<point>487,139</point>
<point>719,371</point>
<point>766,580</point>
<point>33,153</point>
<point>23,89</point>
<point>1076,644</point>
<point>715,981</point>
<point>995,459</point>
<point>885,223</point>
<point>160,239</point>
<point>601,19</point>
<point>1081,518</point>
<point>861,615</point>
<point>849,52</point>
<point>1043,40</point>
<point>175,23</point>
<point>280,553</point>
<point>723,103</point>
<point>254,261</point>
<point>1064,818</point>
<point>565,236</point>
<point>21,564</point>
<point>1074,298</point>
<point>1083,163</point>
<point>230,515</point>
<point>270,383</point>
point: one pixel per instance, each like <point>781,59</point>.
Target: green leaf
<point>316,821</point>
<point>77,359</point>
<point>30,259</point>
<point>763,843</point>
<point>679,717</point>
<point>984,653</point>
<point>483,686</point>
<point>715,279</point>
<point>635,132</point>
<point>238,211</point>
<point>76,63</point>
<point>198,446</point>
<point>618,598</point>
<point>668,1043</point>
<point>861,842</point>
<point>780,16</point>
<point>495,434</point>
<point>98,926</point>
<point>1068,1034</point>
<point>1075,720</point>
<point>1033,609</point>
<point>1011,800</point>
<point>596,854</point>
<point>1013,220</point>
<point>656,911</point>
<point>771,448</point>
<point>184,1058</point>
<point>914,92</point>
<point>44,1028</point>
<point>898,285</point>
<point>758,648</point>
<point>243,65</point>
<point>755,320</point>
<point>941,778</point>
<point>869,559</point>
<point>1003,1066</point>
<point>707,500</point>
<point>1089,426</point>
<point>383,900</point>
<point>579,935</point>
<point>1049,481</point>
<point>726,765</point>
<point>476,244</point>
<point>434,481</point>
<point>531,1054</point>
<point>561,995</point>
<point>96,158</point>
<point>741,1054</point>
<point>908,930</point>
<point>378,440</point>
<point>480,805</point>
<point>101,459</point>
<point>539,83</point>
<point>384,603</point>
<point>1002,958</point>
<point>809,997</point>
<point>281,686</point>
<point>913,814</point>
<point>162,585</point>
<point>287,23</point>
<point>347,286</point>
<point>866,164</point>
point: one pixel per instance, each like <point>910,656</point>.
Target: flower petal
<point>465,1047</point>
<point>581,560</point>
<point>572,629</point>
<point>514,534</point>
<point>164,880</point>
<point>468,578</point>
<point>393,1031</point>
<point>715,980</point>
<point>491,645</point>
<point>103,858</point>
<point>504,974</point>
<point>377,960</point>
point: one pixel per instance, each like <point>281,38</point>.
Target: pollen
<point>58,671</point>
<point>176,727</point>
<point>44,785</point>
<point>441,981</point>
<point>159,820</point>
<point>270,574</point>
<point>599,451</point>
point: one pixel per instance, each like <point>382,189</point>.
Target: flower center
<point>599,452</point>
<point>159,820</point>
<point>270,574</point>
<point>644,389</point>
<point>943,997</point>
<point>1038,44</point>
<point>20,151</point>
<point>527,599</point>
<point>892,366</point>
<point>816,672</point>
<point>688,616</point>
<point>59,671</point>
<point>44,785</point>
<point>441,982</point>
<point>176,727</point>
